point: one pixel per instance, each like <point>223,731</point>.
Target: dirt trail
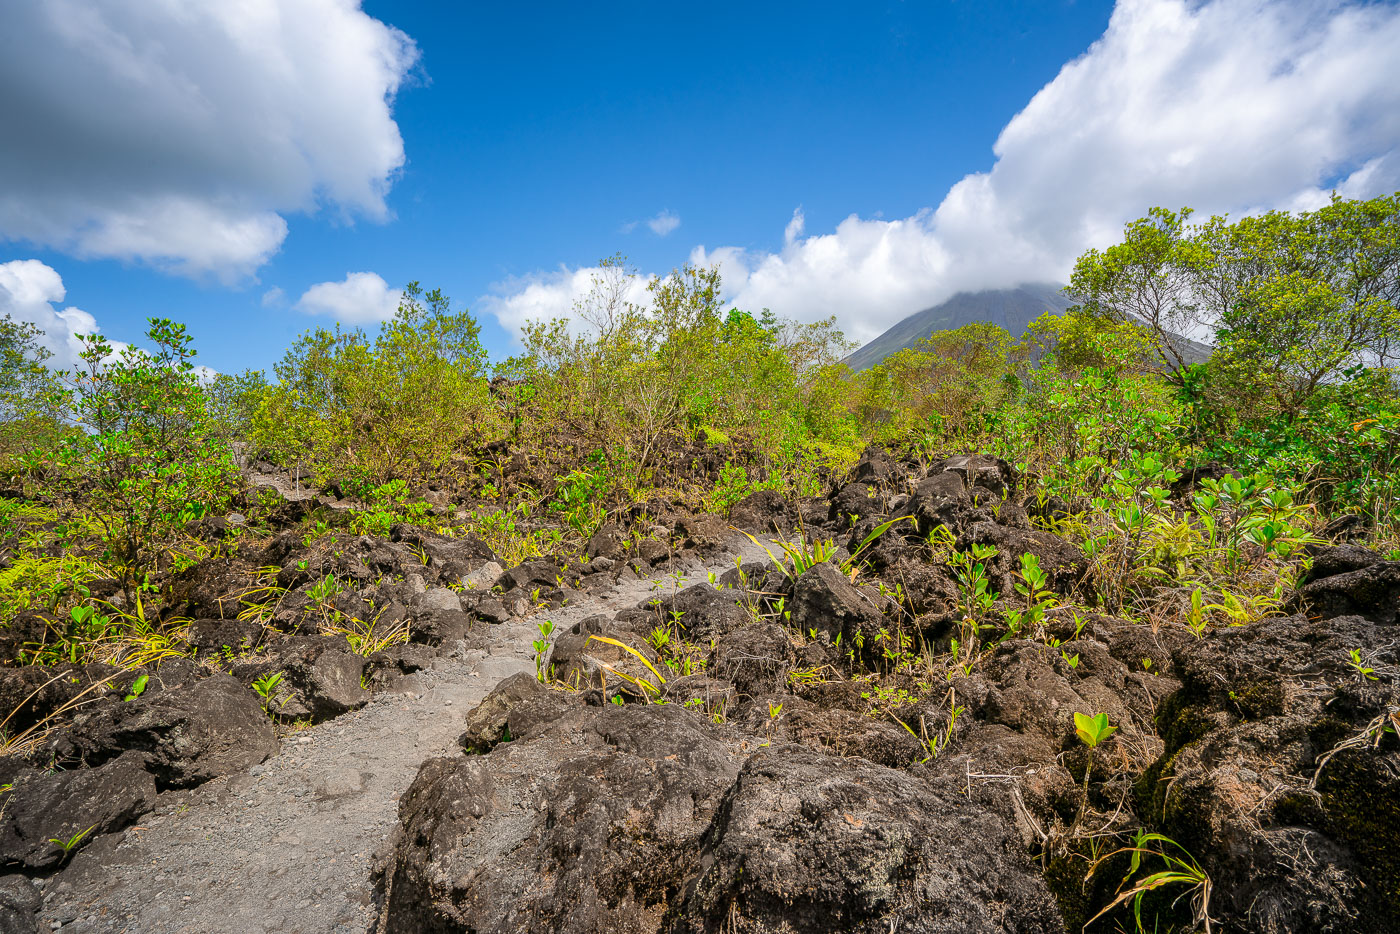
<point>287,846</point>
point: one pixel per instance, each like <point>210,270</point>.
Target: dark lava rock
<point>530,575</point>
<point>1373,592</point>
<point>211,589</point>
<point>941,499</point>
<point>29,694</point>
<point>762,511</point>
<point>637,819</point>
<point>590,824</point>
<point>323,680</point>
<point>979,471</point>
<point>755,659</point>
<point>856,501</point>
<point>450,559</point>
<point>1278,775</point>
<point>581,661</point>
<point>608,542</point>
<point>23,629</point>
<point>824,601</point>
<point>44,806</point>
<point>518,706</point>
<point>702,610</point>
<point>705,532</point>
<point>19,902</point>
<point>815,843</point>
<point>447,626</point>
<point>1063,563</point>
<point>214,635</point>
<point>1340,559</point>
<point>877,466</point>
<point>189,734</point>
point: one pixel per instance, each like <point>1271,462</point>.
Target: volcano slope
<point>716,735</point>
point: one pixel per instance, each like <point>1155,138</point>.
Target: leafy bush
<point>147,460</point>
<point>396,407</point>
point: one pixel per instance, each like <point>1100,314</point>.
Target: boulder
<point>1279,777</point>
<point>815,843</point>
<point>581,661</point>
<point>19,902</point>
<point>41,807</point>
<point>1340,559</point>
<point>980,471</point>
<point>216,635</point>
<point>189,734</point>
<point>588,823</point>
<point>1063,563</point>
<point>706,532</point>
<point>322,681</point>
<point>212,589</point>
<point>825,602</point>
<point>436,599</point>
<point>854,502</point>
<point>703,611</point>
<point>447,626</point>
<point>450,559</point>
<point>761,512</point>
<point>518,706</point>
<point>1373,592</point>
<point>940,500</point>
<point>755,659</point>
<point>608,542</point>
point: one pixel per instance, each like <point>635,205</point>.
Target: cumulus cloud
<point>548,296</point>
<point>30,291</point>
<point>1231,106</point>
<point>662,224</point>
<point>359,298</point>
<point>180,133</point>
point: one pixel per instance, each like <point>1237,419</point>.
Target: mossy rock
<point>1361,804</point>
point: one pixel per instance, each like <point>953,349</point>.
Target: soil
<point>289,845</point>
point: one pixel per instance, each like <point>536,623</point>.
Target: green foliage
<point>148,458</point>
<point>648,373</point>
<point>1093,730</point>
<point>1293,300</point>
<point>954,384</point>
<point>32,400</point>
<point>138,687</point>
<point>395,407</point>
<point>383,505</point>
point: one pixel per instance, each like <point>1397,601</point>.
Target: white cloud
<point>664,223</point>
<point>274,297</point>
<point>30,291</point>
<point>1231,106</point>
<point>547,296</point>
<point>179,133</point>
<point>359,298</point>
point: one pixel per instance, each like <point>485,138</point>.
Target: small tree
<point>147,460</point>
<point>1294,300</point>
<point>32,400</point>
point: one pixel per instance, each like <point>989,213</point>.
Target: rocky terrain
<point>715,736</point>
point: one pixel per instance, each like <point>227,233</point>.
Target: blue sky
<point>857,160</point>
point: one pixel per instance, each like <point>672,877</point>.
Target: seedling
<point>266,688</point>
<point>1360,667</point>
<point>137,687</point>
<point>1092,731</point>
<point>541,646</point>
<point>71,844</point>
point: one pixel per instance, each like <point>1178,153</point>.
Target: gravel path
<point>288,845</point>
